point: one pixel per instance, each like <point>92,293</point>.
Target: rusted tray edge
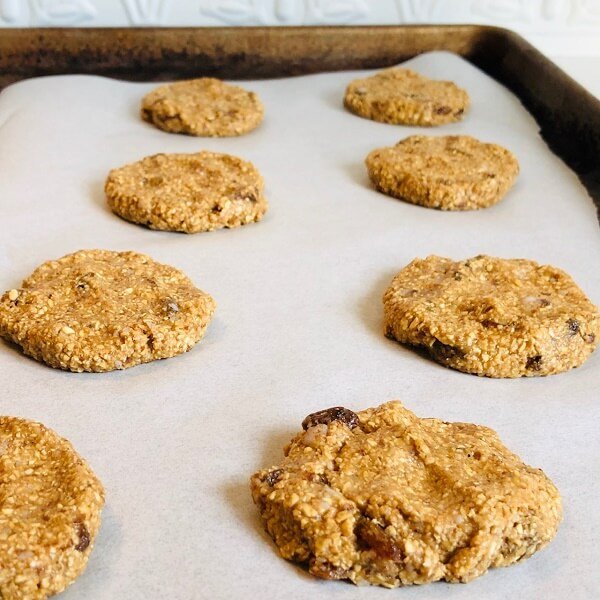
<point>568,115</point>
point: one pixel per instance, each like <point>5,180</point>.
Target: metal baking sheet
<point>298,328</point>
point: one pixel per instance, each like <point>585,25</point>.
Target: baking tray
<point>298,327</point>
<point>568,115</point>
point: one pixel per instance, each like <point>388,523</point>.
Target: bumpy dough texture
<point>398,500</point>
<point>449,173</point>
<point>50,503</point>
<point>403,97</point>
<point>492,316</point>
<point>98,310</point>
<point>187,192</point>
<point>206,107</point>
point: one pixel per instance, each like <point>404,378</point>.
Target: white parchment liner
<point>298,328</point>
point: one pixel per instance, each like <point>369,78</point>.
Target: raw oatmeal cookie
<point>98,310</point>
<point>50,503</point>
<point>386,498</point>
<point>403,97</point>
<point>205,107</point>
<point>449,173</point>
<point>492,316</point>
<point>187,192</point>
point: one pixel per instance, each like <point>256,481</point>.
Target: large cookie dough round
<point>386,498</point>
<point>187,192</point>
<point>492,316</point>
<point>449,172</point>
<point>50,503</point>
<point>99,310</point>
<point>204,107</point>
<point>403,97</point>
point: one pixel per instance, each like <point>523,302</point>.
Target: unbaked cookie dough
<point>187,192</point>
<point>99,310</point>
<point>403,97</point>
<point>492,316</point>
<point>205,107</point>
<point>50,503</point>
<point>386,498</point>
<point>447,172</point>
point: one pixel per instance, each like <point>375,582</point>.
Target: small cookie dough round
<point>187,192</point>
<point>403,97</point>
<point>448,173</point>
<point>386,498</point>
<point>492,316</point>
<point>205,107</point>
<point>99,310</point>
<point>50,505</point>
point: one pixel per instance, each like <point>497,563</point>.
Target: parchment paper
<point>298,328</point>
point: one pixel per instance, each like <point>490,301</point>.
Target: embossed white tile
<point>11,10</point>
<point>146,12</point>
<point>63,12</point>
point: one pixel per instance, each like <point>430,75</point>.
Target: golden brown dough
<point>50,503</point>
<point>187,192</point>
<point>204,107</point>
<point>403,97</point>
<point>448,172</point>
<point>386,498</point>
<point>492,316</point>
<point>99,310</point>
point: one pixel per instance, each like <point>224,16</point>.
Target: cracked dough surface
<point>386,498</point>
<point>204,107</point>
<point>99,310</point>
<point>404,97</point>
<point>50,503</point>
<point>446,172</point>
<point>187,192</point>
<point>492,316</point>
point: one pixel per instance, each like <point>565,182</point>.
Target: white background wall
<point>558,27</point>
